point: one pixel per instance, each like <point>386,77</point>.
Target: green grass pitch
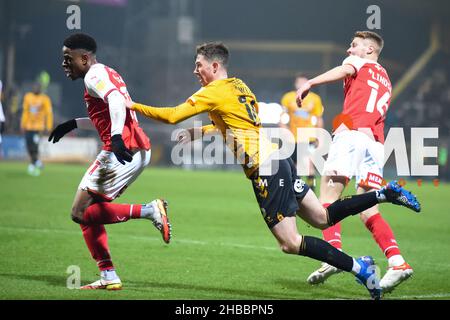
<point>221,248</point>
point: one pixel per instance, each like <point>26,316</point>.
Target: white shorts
<point>108,178</point>
<point>355,154</point>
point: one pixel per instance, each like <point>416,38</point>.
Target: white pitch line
<point>440,265</point>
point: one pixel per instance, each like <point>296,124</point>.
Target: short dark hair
<point>372,36</point>
<point>81,41</point>
<point>301,75</point>
<point>214,51</point>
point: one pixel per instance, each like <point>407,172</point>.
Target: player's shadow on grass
<point>326,290</point>
<point>56,281</point>
<point>233,293</point>
<point>138,286</point>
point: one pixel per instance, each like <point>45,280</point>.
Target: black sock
<point>323,251</point>
<point>34,157</point>
<point>351,205</point>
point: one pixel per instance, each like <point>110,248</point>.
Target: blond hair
<point>375,37</point>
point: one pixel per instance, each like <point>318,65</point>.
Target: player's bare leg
<point>312,212</point>
<point>81,202</point>
<point>287,235</point>
<point>331,188</point>
<point>398,269</point>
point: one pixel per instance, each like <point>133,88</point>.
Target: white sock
<point>356,267</point>
<point>149,210</point>
<point>38,163</point>
<point>396,261</point>
<point>109,275</point>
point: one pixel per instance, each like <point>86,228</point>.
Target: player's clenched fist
<point>188,135</point>
<point>61,130</point>
<point>302,93</point>
<point>120,150</point>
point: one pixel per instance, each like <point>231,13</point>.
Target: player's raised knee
<point>320,219</point>
<point>291,246</point>
<point>321,224</point>
<point>76,216</point>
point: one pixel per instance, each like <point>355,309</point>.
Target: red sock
<point>107,213</point>
<point>383,235</point>
<point>332,235</point>
<point>97,241</point>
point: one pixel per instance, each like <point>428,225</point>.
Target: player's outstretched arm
<point>61,130</point>
<point>171,115</point>
<point>335,74</point>
<point>85,124</point>
<point>64,128</point>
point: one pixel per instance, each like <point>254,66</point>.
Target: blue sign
<point>13,147</point>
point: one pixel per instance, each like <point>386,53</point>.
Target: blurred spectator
<point>2,119</point>
<point>444,167</point>
<point>11,108</point>
<point>429,107</point>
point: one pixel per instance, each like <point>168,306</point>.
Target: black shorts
<point>294,155</point>
<point>278,194</point>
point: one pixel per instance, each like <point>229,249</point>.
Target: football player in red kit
<point>357,149</point>
<point>125,153</point>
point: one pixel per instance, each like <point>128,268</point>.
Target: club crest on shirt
<point>299,185</point>
<point>100,85</point>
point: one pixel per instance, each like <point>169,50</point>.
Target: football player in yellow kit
<point>309,115</point>
<point>233,109</point>
<point>37,117</point>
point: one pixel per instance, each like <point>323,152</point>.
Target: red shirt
<point>367,95</point>
<point>99,82</point>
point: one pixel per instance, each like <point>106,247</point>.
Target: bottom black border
<point>229,309</point>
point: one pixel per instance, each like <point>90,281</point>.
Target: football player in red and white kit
<point>125,154</point>
<point>357,149</point>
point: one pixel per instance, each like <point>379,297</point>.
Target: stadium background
<point>151,43</point>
